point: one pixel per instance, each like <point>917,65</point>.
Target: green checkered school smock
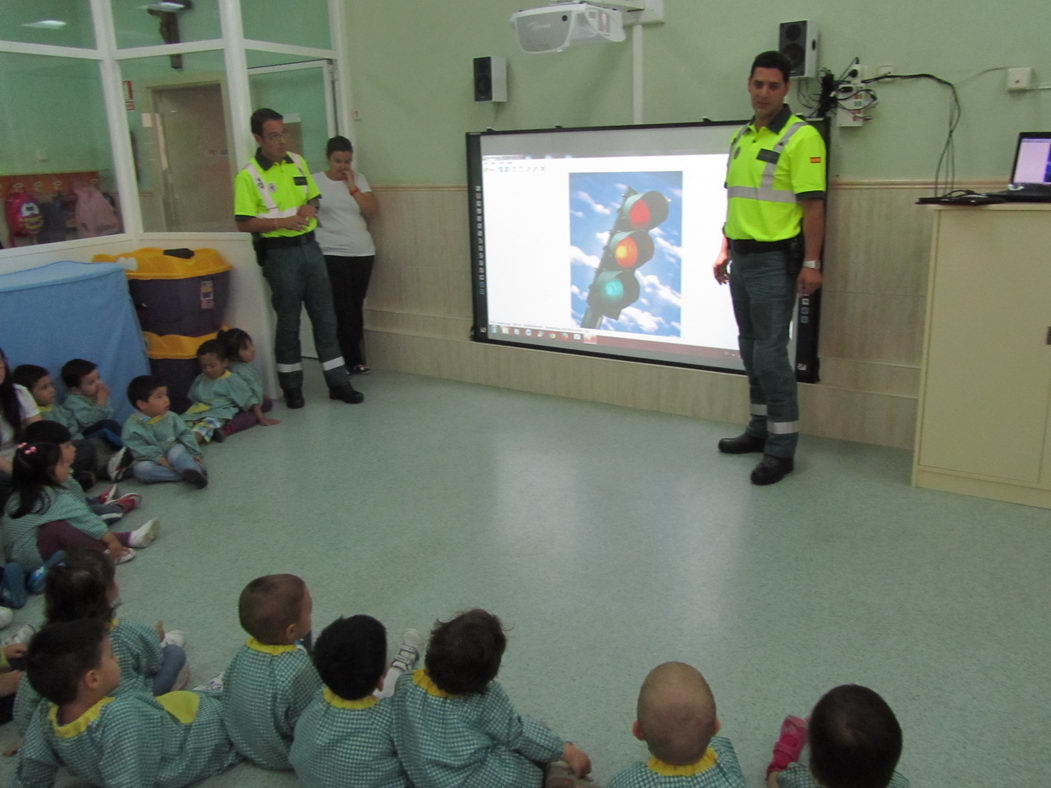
<point>798,775</point>
<point>349,743</point>
<point>717,768</point>
<point>137,648</point>
<point>132,741</point>
<point>265,689</point>
<point>467,741</point>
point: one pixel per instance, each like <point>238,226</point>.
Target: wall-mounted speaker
<point>490,79</point>
<point>798,42</point>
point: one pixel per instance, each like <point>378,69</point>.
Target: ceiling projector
<point>555,28</point>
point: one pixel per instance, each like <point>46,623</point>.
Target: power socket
<point>1019,78</point>
<point>856,73</point>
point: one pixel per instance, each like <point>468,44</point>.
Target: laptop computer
<point>1031,173</point>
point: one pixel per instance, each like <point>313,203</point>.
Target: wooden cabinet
<point>984,422</point>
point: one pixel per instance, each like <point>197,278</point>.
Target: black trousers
<point>349,278</point>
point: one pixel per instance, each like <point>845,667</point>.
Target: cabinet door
<point>988,369</point>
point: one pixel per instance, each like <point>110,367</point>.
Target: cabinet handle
<point>1049,335</point>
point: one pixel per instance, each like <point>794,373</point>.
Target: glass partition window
<point>303,23</point>
<point>64,23</point>
<point>60,159</point>
<point>181,143</point>
<point>146,23</point>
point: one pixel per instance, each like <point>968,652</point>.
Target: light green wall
<point>411,78</point>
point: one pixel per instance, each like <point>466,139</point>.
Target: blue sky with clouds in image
<point>594,200</point>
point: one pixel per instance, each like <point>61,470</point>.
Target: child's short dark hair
<point>141,388</point>
<point>75,370</point>
<point>232,340</point>
<point>78,587</point>
<point>855,739</point>
<point>47,431</point>
<point>269,604</point>
<point>28,375</point>
<point>60,654</point>
<point>351,656</point>
<point>210,347</point>
<point>464,654</point>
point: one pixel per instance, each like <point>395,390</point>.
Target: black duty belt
<point>282,241</point>
<point>748,246</point>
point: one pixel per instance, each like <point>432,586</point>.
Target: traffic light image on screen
<point>626,251</point>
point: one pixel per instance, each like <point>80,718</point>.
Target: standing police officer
<point>275,199</point>
<point>775,226</point>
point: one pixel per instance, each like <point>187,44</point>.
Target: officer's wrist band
<point>815,264</point>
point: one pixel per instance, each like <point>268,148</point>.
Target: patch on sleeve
<point>815,159</point>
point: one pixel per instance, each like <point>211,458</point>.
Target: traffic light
<point>630,245</point>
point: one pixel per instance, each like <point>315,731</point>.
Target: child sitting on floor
<point>676,718</point>
<point>455,725</point>
<point>84,585</point>
<point>111,505</point>
<point>855,742</point>
<point>128,739</point>
<point>271,680</point>
<point>240,353</point>
<point>88,401</point>
<point>162,447</point>
<point>220,397</point>
<point>44,516</point>
<point>345,737</point>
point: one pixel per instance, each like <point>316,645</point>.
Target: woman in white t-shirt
<point>346,202</point>
<point>17,409</point>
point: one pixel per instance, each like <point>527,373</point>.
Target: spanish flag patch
<point>815,159</point>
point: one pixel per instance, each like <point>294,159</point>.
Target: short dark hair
<point>855,739</point>
<point>78,587</point>
<point>269,604</point>
<point>75,370</point>
<point>464,654</point>
<point>47,431</point>
<point>772,59</point>
<point>232,341</point>
<point>338,144</point>
<point>141,388</point>
<point>351,656</point>
<point>60,654</point>
<point>261,116</point>
<point>210,347</point>
<point>28,375</point>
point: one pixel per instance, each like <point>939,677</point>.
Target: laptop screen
<point>1033,158</point>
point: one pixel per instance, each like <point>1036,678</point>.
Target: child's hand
<point>9,682</point>
<point>266,421</point>
<point>15,651</point>
<point>159,629</point>
<point>103,394</point>
<point>113,546</point>
<point>164,462</point>
<point>14,748</point>
<point>578,760</point>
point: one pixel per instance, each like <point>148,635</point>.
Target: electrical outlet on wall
<point>1019,78</point>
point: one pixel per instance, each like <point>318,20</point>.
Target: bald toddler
<point>676,718</point>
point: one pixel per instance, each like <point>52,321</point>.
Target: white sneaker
<point>408,651</point>
<point>7,615</point>
<point>126,556</point>
<point>144,535</point>
<point>110,494</point>
<point>174,637</point>
<point>214,684</point>
<point>22,635</point>
<point>115,467</point>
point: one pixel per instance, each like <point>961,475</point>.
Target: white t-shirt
<point>342,230</point>
<point>7,432</point>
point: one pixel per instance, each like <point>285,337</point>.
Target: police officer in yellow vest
<point>275,199</point>
<point>771,251</point>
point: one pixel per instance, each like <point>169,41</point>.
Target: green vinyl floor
<point>609,541</point>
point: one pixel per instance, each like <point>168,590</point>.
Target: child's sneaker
<point>37,578</point>
<point>174,637</point>
<point>13,586</point>
<point>110,494</point>
<point>22,635</point>
<point>128,502</point>
<point>123,558</point>
<point>195,478</point>
<point>408,651</point>
<point>118,464</point>
<point>144,535</point>
<point>214,684</point>
<point>7,615</point>
<point>789,744</point>
<point>110,517</point>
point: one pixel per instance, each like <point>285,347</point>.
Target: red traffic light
<point>645,211</point>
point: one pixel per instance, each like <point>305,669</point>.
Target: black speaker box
<point>490,79</point>
<point>798,42</point>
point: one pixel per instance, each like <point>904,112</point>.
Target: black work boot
<point>294,398</point>
<point>771,469</point>
<point>347,393</point>
<point>742,444</point>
